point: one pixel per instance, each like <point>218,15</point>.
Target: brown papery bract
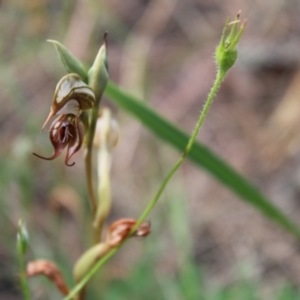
<point>119,231</point>
<point>50,270</point>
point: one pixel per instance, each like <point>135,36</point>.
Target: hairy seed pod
<point>71,96</point>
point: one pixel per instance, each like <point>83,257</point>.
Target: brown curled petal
<point>67,163</point>
<point>120,230</point>
<point>143,230</point>
<point>53,156</point>
<point>58,148</point>
<point>118,235</point>
<point>122,222</point>
<point>51,271</point>
<point>58,138</point>
<point>75,142</point>
<point>115,241</point>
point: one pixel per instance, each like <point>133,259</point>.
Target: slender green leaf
<point>69,61</point>
<point>201,156</point>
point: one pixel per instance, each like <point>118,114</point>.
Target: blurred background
<point>205,242</point>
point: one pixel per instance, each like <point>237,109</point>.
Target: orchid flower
<point>66,130</point>
<point>71,97</point>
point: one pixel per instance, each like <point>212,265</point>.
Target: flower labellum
<point>71,96</point>
<point>66,130</point>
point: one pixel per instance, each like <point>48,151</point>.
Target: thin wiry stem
<point>219,78</point>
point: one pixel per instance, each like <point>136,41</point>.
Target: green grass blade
<point>201,156</point>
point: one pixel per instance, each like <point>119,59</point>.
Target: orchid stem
<point>89,160</point>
